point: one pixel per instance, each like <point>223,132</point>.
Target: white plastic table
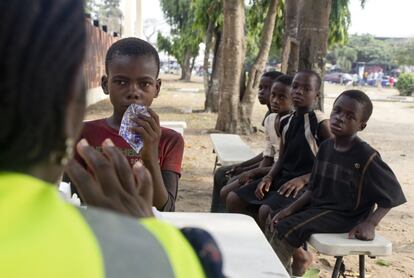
<point>246,252</point>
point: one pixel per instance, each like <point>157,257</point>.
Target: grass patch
<point>382,262</point>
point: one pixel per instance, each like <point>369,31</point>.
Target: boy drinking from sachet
<point>280,103</point>
<point>301,132</point>
<point>350,190</point>
<point>132,67</point>
<point>226,174</point>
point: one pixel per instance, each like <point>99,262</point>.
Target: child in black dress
<point>348,181</point>
<point>301,133</point>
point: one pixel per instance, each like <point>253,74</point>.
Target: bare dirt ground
<point>390,131</point>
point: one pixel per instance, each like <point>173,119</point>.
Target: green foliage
<point>371,50</point>
<point>339,21</point>
<point>208,11</point>
<point>311,273</point>
<point>256,12</point>
<point>405,53</point>
<point>382,262</point>
<point>362,48</point>
<point>277,42</point>
<point>255,17</point>
<point>178,46</point>
<point>185,33</point>
<point>405,84</point>
<point>177,13</point>
<point>91,7</point>
<point>164,44</point>
<point>343,56</point>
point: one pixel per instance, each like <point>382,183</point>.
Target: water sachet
<point>133,139</point>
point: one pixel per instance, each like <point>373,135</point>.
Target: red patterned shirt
<point>170,148</point>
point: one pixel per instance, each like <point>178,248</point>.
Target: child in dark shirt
<point>301,132</point>
<point>350,190</point>
<point>229,173</point>
<point>281,105</point>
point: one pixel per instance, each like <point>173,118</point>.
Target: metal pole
<point>337,267</point>
<point>362,266</point>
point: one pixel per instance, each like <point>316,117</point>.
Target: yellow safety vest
<point>42,236</point>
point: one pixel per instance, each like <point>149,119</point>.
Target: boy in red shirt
<point>132,67</point>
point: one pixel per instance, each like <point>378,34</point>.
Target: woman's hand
<point>111,183</point>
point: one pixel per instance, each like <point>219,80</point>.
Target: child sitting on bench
<point>226,174</point>
<point>301,133</point>
<point>350,190</point>
<point>281,106</point>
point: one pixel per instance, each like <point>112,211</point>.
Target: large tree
<point>236,105</point>
<point>405,53</point>
<point>310,27</point>
<point>233,55</point>
<point>185,37</point>
<point>209,18</point>
<point>307,31</point>
<point>313,32</point>
<point>290,56</point>
<point>248,95</point>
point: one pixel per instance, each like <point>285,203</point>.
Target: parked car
<point>338,77</point>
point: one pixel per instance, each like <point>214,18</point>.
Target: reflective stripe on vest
<point>182,256</point>
<point>128,248</point>
<point>40,235</point>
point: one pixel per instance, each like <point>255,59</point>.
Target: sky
<point>382,18</point>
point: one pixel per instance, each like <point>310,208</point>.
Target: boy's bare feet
<point>302,259</point>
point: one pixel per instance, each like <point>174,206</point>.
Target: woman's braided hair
<point>42,45</point>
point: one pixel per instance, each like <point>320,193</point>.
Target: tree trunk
<point>233,56</point>
<point>249,95</point>
<point>206,65</point>
<point>313,31</point>
<point>186,68</point>
<point>192,64</point>
<point>290,56</point>
<point>213,92</point>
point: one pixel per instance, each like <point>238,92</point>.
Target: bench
<point>230,149</point>
<point>246,252</point>
<point>178,126</point>
<point>339,245</point>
